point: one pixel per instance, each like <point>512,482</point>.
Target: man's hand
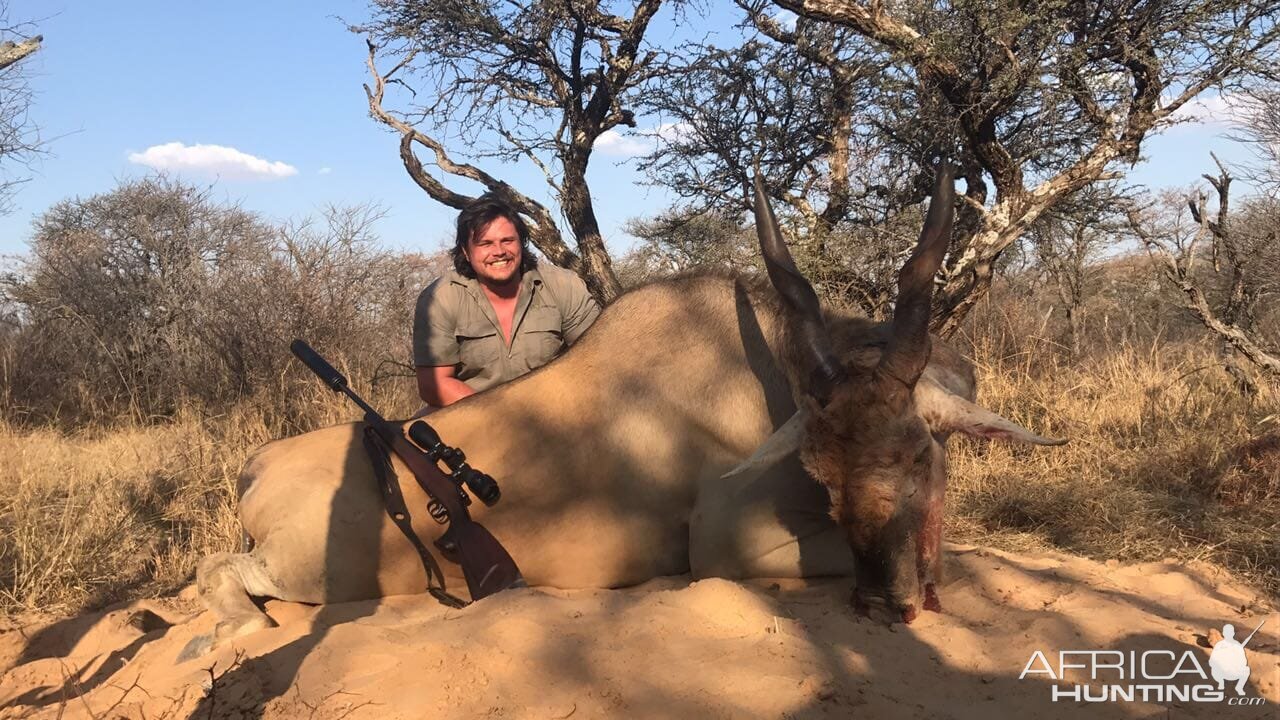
<point>437,386</point>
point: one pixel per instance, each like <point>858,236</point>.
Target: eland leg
<point>226,582</point>
<point>929,542</point>
<point>775,525</point>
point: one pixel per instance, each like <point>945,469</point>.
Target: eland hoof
<point>860,606</point>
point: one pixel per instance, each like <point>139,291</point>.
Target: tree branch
<point>11,53</point>
<point>542,228</point>
<point>1178,270</point>
<point>872,21</point>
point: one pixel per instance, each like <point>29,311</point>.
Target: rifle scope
<point>480,484</point>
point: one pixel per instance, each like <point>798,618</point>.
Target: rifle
<point>486,565</point>
<point>1255,632</point>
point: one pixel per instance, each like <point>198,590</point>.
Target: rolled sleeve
<point>581,309</point>
<point>434,320</point>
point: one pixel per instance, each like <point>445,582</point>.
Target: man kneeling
<point>498,313</point>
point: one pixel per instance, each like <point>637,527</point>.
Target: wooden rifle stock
<point>486,565</point>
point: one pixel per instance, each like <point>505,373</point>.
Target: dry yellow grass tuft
<point>1167,459</point>
<point>87,520</point>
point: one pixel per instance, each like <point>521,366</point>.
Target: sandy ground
<point>669,648</point>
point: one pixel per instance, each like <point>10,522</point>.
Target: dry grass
<point>100,515</point>
<point>1166,459</point>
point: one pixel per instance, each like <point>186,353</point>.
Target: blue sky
<point>280,83</point>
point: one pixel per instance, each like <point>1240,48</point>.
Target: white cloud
<point>672,132</point>
<point>613,143</point>
<point>1208,110</point>
<point>324,171</point>
<point>218,160</point>
<point>786,19</point>
<point>641,142</point>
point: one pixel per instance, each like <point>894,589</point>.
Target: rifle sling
<point>486,565</point>
<point>398,511</point>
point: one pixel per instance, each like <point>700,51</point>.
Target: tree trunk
<point>1237,338</point>
<point>575,201</point>
<point>838,157</point>
<point>1073,331</point>
<point>1015,209</point>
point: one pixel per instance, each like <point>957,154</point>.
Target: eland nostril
<point>909,613</point>
<point>881,605</point>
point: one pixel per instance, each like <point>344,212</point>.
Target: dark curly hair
<point>478,213</point>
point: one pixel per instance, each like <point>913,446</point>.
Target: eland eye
<point>923,456</point>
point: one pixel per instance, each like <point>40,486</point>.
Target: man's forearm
<point>443,391</point>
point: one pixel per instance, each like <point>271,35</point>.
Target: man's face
<point>494,252</point>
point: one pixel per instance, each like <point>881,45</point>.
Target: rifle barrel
<point>1255,632</point>
<point>331,377</point>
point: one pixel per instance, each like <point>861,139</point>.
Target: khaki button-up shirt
<point>454,324</point>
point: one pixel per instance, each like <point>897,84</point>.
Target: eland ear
<point>947,412</point>
<point>784,441</point>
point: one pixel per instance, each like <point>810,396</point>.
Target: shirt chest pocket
<point>479,347</point>
<point>541,336</point>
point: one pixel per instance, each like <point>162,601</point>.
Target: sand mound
<point>669,648</point>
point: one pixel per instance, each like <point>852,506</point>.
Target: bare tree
<point>675,242</point>
<point>793,104</point>
<point>1048,98</point>
<point>152,297</point>
<point>782,104</point>
<point>1260,111</point>
<point>550,77</point>
<point>1068,241</point>
<point>1245,255</point>
<point>110,290</point>
<point>19,141</point>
